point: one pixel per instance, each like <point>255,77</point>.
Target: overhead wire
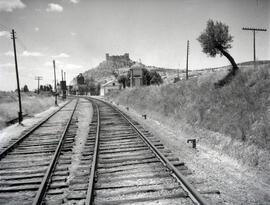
<point>21,43</point>
<point>6,27</point>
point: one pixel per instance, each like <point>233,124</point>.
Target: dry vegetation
<point>31,104</point>
<point>239,110</point>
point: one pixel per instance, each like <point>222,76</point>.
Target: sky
<point>78,33</point>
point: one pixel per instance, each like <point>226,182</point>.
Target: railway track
<point>26,161</point>
<point>119,163</point>
<point>131,167</point>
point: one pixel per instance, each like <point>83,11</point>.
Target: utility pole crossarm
<point>254,29</point>
<point>38,78</point>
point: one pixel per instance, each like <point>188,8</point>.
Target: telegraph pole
<point>178,73</point>
<point>55,89</point>
<point>62,75</point>
<point>187,60</point>
<point>254,39</point>
<point>20,117</point>
<point>38,78</point>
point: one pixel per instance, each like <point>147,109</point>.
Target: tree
<point>215,39</point>
<point>50,87</point>
<point>146,78</point>
<point>25,88</point>
<point>122,79</point>
<point>115,73</point>
<point>91,86</point>
<point>155,78</point>
<point>98,89</point>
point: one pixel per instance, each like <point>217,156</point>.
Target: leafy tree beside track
<point>216,39</point>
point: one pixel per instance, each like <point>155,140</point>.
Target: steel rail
<point>192,192</point>
<point>43,186</point>
<point>90,190</point>
<point>11,146</point>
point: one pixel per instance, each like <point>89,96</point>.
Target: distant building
<point>136,75</point>
<point>109,86</point>
<point>119,58</point>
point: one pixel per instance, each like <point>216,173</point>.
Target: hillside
<point>104,72</point>
<point>239,111</point>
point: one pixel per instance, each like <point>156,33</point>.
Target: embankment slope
<point>239,111</point>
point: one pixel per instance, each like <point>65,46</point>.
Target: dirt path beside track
<point>238,184</point>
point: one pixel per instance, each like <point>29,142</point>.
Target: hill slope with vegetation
<point>108,70</point>
<point>104,70</point>
<point>239,110</point>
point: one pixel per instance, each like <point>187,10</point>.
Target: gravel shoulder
<point>14,131</point>
<point>238,184</point>
<point>84,115</point>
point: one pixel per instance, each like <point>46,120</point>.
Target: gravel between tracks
<point>238,184</point>
<point>84,116</point>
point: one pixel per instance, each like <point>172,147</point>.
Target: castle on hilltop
<point>118,58</point>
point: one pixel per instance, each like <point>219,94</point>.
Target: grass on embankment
<point>240,111</point>
<point>31,104</point>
